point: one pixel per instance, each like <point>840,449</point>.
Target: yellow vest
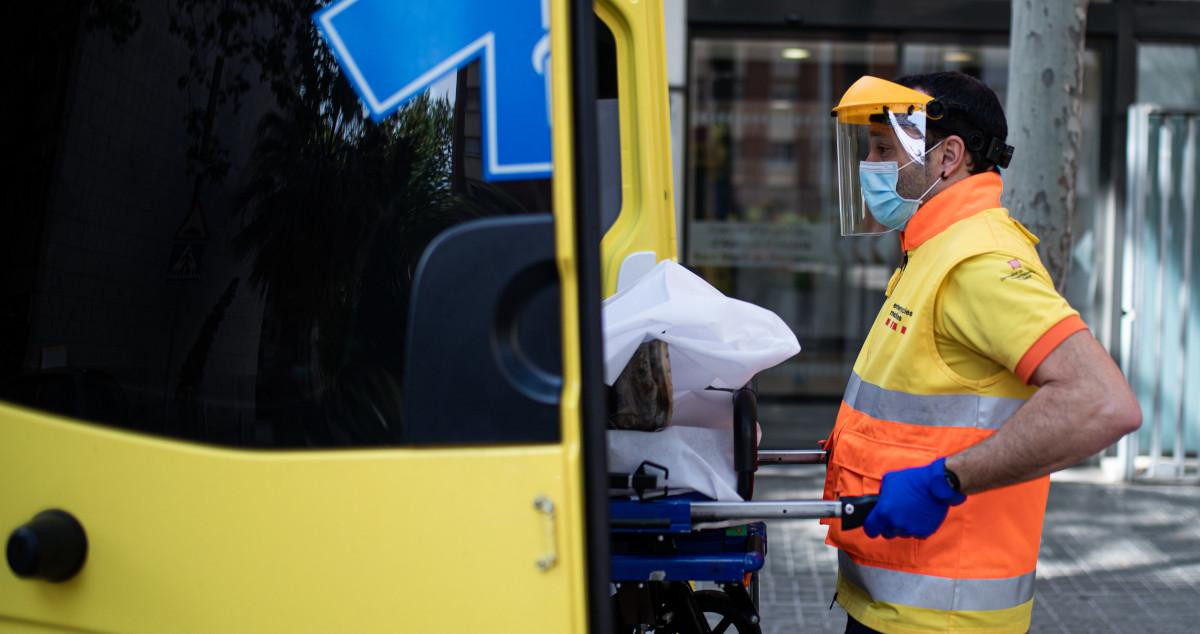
<point>904,407</point>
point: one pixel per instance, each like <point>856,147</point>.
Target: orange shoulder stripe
<point>1038,352</point>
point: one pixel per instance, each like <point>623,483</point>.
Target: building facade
<point>758,205</point>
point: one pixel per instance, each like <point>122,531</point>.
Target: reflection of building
<point>759,80</point>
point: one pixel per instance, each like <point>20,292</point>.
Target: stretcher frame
<point>662,543</point>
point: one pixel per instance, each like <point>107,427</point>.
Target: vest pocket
<point>860,463</point>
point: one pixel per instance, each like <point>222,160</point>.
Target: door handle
<point>545,506</point>
<point>51,546</point>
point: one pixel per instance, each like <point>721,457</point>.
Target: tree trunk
<point>1045,84</point>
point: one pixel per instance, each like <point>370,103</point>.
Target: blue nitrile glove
<point>913,502</point>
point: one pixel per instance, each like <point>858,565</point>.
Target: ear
<point>954,157</point>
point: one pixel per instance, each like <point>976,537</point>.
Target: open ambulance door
<point>639,229</point>
<point>266,365</point>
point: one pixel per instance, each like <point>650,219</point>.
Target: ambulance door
<point>267,364</point>
<point>640,229</point>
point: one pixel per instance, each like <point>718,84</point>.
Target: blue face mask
<point>878,180</point>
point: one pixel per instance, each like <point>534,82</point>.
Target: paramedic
<point>976,380</point>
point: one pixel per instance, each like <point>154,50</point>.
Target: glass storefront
<point>760,221</point>
<point>1159,67</point>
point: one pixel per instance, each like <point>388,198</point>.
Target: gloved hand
<point>913,502</point>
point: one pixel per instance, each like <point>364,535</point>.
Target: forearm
<point>1047,434</point>
<point>1064,423</point>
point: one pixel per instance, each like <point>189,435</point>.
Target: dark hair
<point>970,106</point>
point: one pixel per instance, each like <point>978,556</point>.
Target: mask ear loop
<point>926,153</point>
<point>941,177</point>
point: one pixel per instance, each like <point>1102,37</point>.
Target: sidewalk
<point>1115,558</point>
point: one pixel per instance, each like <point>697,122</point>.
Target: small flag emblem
<point>1014,263</point>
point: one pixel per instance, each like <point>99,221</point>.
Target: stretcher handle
<point>855,510</point>
<point>792,456</point>
<point>773,510</point>
<point>745,440</point>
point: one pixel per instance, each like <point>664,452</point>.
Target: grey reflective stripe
<point>940,410</point>
<point>937,593</point>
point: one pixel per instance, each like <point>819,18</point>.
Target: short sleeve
<point>1007,310</point>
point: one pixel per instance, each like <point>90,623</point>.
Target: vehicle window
<point>608,135</point>
<point>208,238</point>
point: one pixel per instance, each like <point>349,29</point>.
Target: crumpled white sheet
<point>697,458</point>
<point>713,341</point>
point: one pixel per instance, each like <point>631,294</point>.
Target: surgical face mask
<point>878,180</point>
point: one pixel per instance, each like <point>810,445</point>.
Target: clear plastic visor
<point>898,138</point>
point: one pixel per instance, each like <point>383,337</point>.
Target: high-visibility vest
<point>905,407</point>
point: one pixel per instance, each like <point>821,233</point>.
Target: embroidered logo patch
<point>897,315</point>
<point>1018,271</point>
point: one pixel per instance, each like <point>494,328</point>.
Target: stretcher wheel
<point>723,614</point>
<point>673,607</point>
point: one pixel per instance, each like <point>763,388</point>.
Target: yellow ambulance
<point>270,363</point>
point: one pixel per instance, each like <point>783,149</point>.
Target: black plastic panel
<point>484,360</point>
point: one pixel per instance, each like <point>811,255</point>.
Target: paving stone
<point>1114,558</point>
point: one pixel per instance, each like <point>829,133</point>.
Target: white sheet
<point>712,340</point>
<point>698,458</point>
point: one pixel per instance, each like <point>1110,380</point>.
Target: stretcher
<point>665,544</point>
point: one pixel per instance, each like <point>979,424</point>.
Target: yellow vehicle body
<point>647,220</point>
<point>185,537</point>
<point>192,538</point>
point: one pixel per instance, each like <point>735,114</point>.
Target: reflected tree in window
<point>338,211</point>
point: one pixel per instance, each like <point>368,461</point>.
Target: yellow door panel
<point>573,540</point>
<point>199,539</point>
<point>647,219</point>
<point>188,537</point>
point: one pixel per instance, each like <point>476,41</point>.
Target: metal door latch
<point>545,506</point>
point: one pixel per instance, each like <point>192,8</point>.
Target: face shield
<point>881,126</point>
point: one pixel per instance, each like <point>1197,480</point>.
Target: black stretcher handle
<point>855,510</point>
<point>745,440</point>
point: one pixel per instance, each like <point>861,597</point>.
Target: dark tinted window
<point>206,237</point>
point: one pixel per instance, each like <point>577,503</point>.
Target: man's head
<point>961,139</point>
<point>901,143</point>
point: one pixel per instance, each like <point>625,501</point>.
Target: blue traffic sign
<point>393,50</point>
